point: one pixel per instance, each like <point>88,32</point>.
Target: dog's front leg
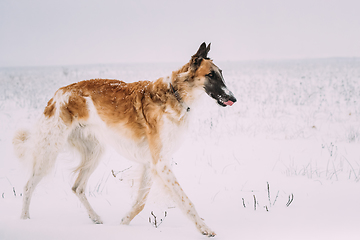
<point>165,174</point>
<point>160,168</point>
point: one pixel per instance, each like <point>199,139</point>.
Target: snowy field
<point>281,163</point>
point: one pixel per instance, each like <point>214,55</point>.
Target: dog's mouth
<point>227,103</point>
<point>224,101</point>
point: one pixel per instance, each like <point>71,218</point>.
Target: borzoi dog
<point>141,120</point>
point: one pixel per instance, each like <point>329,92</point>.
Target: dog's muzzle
<point>225,99</point>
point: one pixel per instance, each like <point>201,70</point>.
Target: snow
<point>293,132</point>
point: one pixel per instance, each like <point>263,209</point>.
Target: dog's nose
<point>231,96</point>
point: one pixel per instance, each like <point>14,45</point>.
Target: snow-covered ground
<point>294,134</point>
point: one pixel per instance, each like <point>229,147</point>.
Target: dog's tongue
<point>229,103</point>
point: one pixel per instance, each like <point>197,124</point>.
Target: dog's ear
<point>201,53</point>
<point>208,49</point>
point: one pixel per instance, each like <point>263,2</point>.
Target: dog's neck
<point>178,97</point>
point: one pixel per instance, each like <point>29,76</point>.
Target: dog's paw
<point>205,230</point>
<point>125,221</point>
<point>208,233</point>
<point>96,219</point>
<point>25,215</point>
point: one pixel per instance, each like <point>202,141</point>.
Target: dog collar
<point>178,98</point>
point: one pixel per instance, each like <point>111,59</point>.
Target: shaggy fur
<point>142,120</point>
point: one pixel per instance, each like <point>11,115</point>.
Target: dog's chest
<point>172,135</point>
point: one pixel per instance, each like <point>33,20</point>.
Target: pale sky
<point>65,32</point>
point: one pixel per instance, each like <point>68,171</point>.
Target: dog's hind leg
<point>143,192</point>
<point>91,151</point>
<point>47,141</point>
<point>29,188</point>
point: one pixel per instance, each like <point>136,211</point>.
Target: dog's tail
<point>21,143</point>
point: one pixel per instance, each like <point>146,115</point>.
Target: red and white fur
<point>141,120</point>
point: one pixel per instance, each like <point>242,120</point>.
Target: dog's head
<point>207,75</point>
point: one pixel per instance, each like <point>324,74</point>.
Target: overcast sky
<point>65,32</point>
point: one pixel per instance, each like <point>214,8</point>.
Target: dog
<point>142,120</point>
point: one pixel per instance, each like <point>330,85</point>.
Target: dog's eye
<point>210,75</point>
